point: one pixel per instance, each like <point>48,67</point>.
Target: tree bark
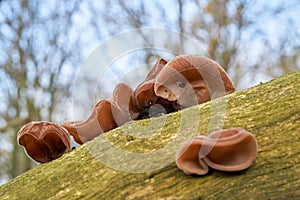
<point>137,160</point>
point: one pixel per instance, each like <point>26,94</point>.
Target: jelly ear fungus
<point>144,96</point>
<point>101,120</point>
<point>191,79</point>
<point>44,141</point>
<point>226,150</point>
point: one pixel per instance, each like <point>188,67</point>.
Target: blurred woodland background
<point>44,43</point>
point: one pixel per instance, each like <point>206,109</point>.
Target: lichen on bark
<point>271,111</point>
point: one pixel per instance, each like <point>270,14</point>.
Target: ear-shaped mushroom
<point>122,97</point>
<point>192,79</point>
<point>44,141</point>
<point>101,120</point>
<point>235,150</point>
<point>144,96</point>
<point>187,157</point>
<point>228,150</point>
<point>156,69</point>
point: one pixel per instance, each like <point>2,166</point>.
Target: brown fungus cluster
<point>184,81</point>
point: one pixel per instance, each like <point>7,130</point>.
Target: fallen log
<point>137,160</point>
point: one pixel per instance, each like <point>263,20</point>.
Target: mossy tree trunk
<point>137,159</point>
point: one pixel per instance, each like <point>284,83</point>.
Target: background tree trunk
<point>270,111</point>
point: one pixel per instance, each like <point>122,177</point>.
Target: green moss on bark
<point>270,111</point>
